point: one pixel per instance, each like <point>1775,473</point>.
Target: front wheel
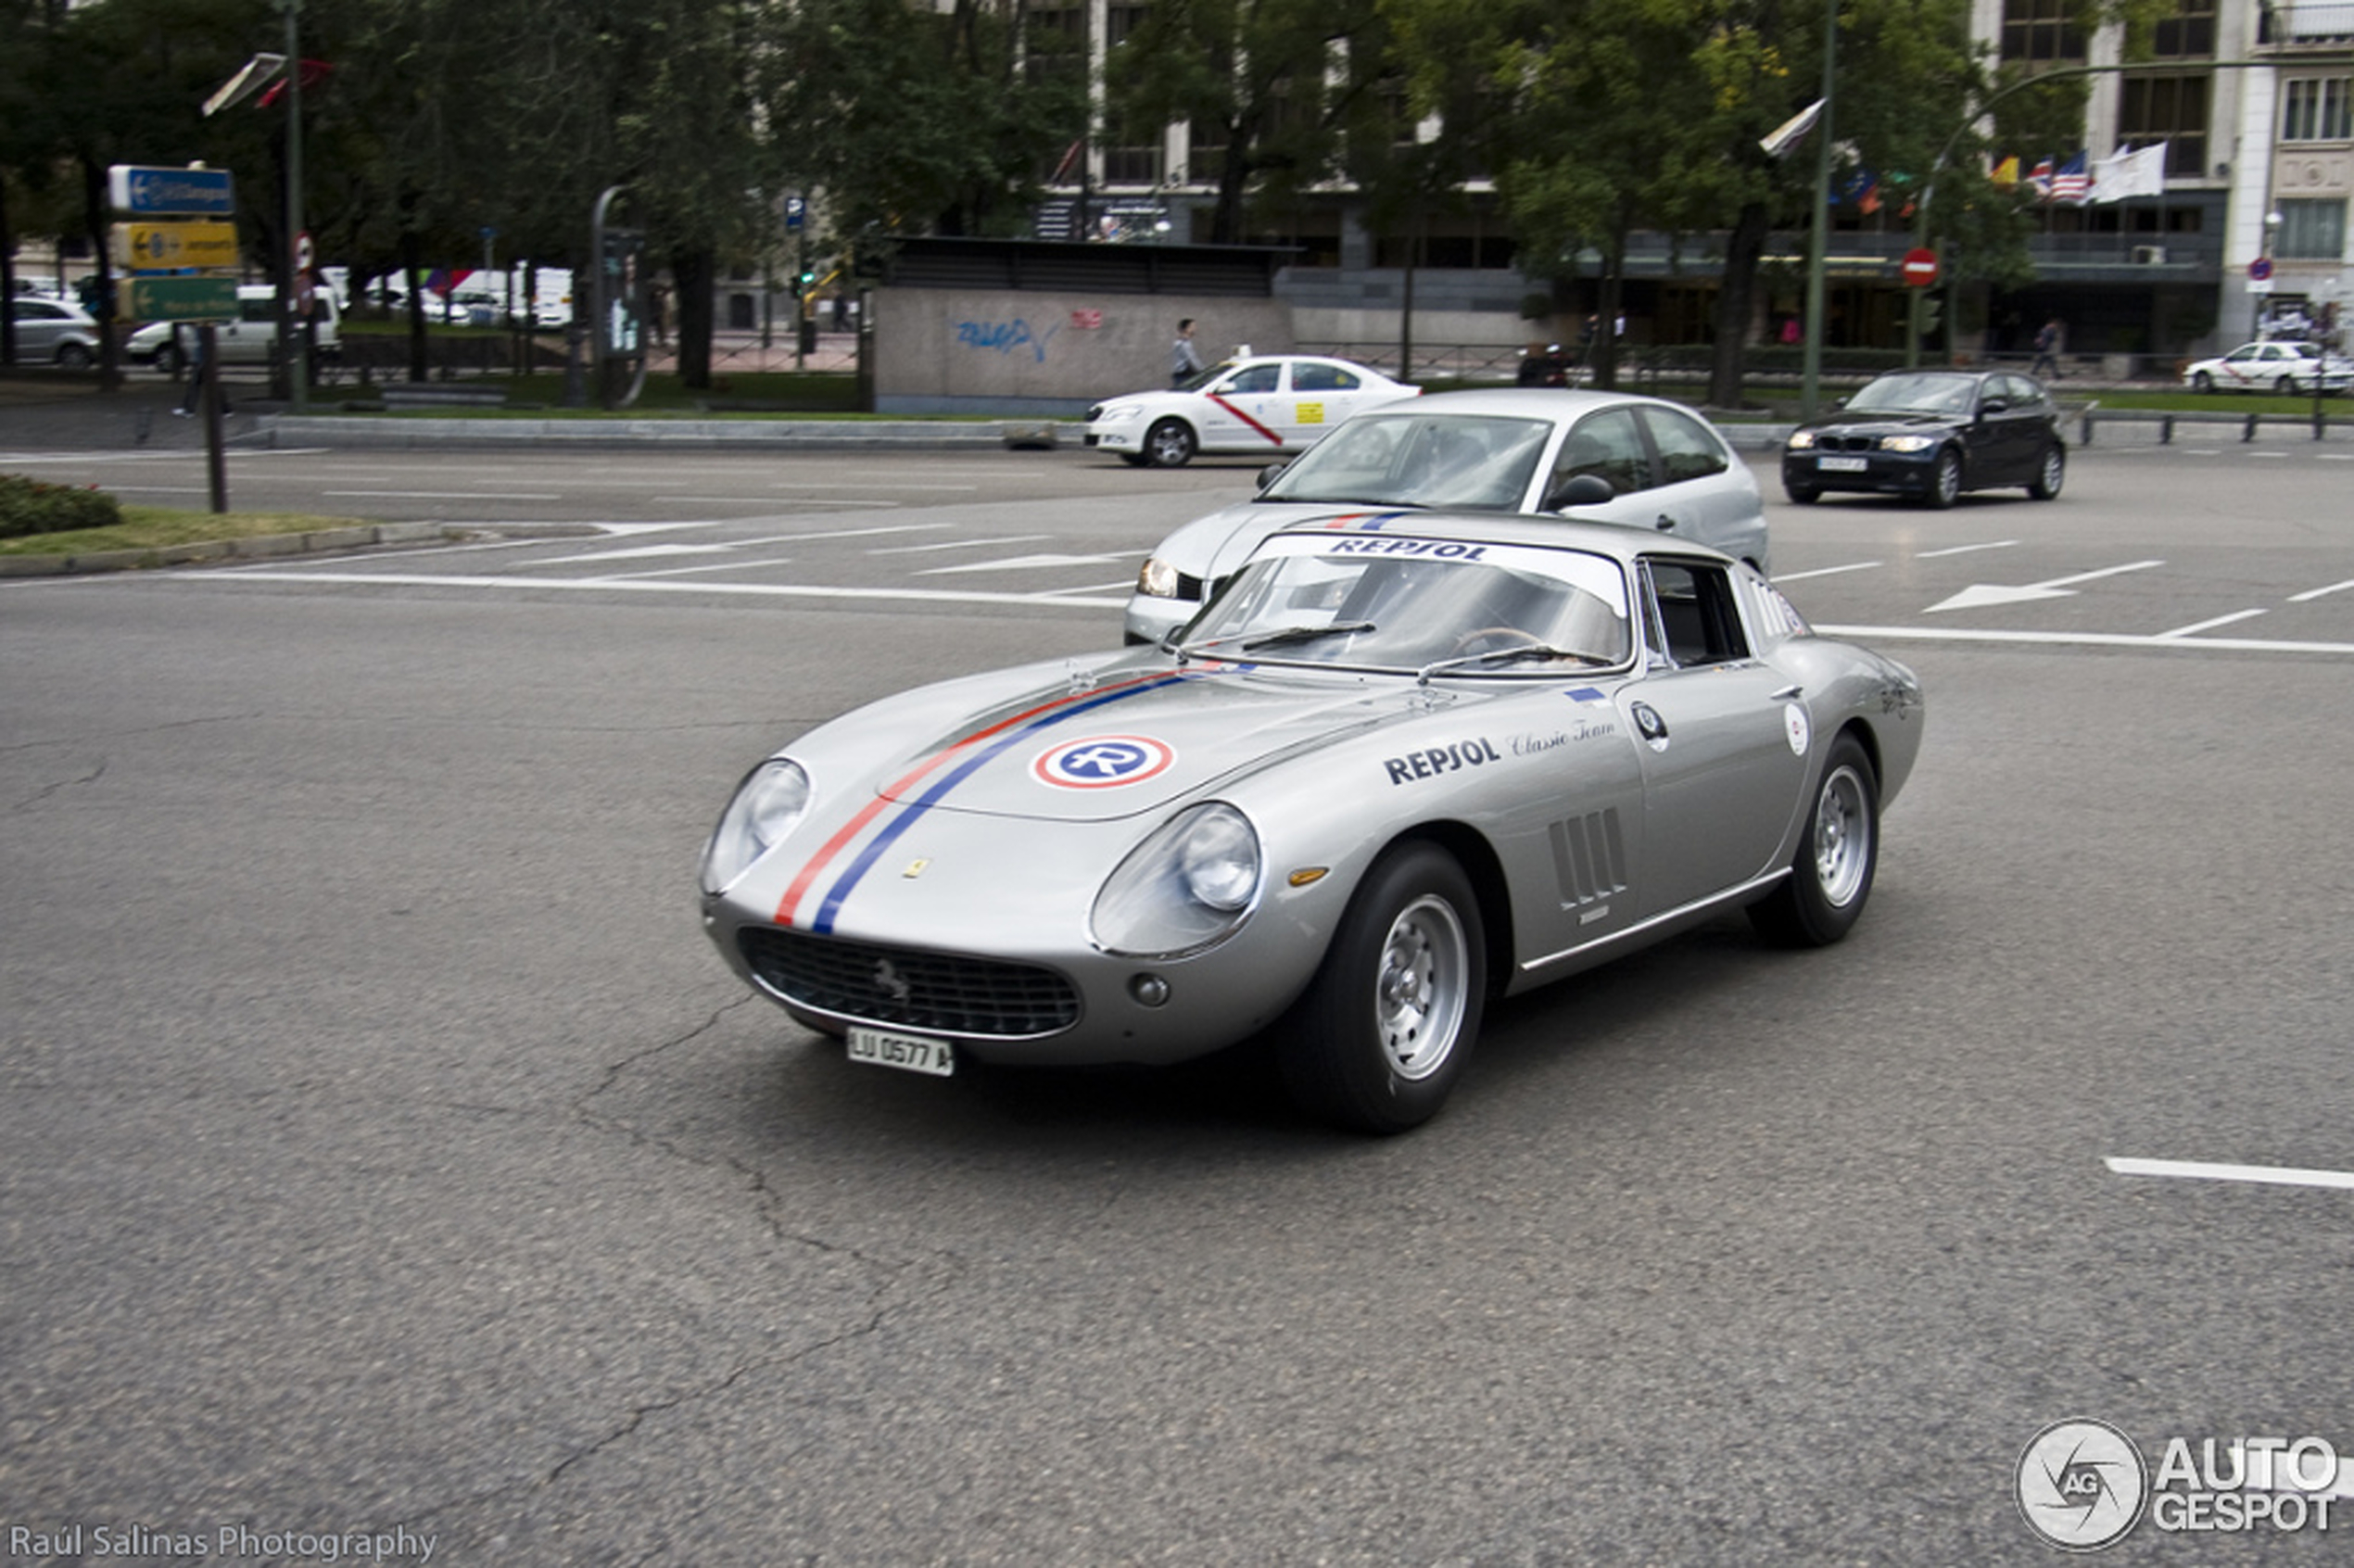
<point>1945,481</point>
<point>1832,875</point>
<point>1169,444</point>
<point>2286,387</point>
<point>2050,476</point>
<point>168,359</point>
<point>1381,1035</point>
<point>2202,382</point>
<point>73,356</point>
<point>1804,494</point>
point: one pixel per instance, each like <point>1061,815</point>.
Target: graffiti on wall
<point>1006,337</point>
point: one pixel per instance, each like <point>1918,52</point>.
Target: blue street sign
<point>199,192</point>
<point>796,211</point>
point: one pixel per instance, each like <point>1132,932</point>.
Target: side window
<point>1257,378</point>
<point>1686,450</point>
<point>1607,444</point>
<point>264,310</point>
<point>1692,615</point>
<point>1321,378</point>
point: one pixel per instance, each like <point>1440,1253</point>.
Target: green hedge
<point>28,506</point>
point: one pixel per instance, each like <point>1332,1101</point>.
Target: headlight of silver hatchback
<point>1158,580</point>
<point>1188,886</point>
<point>770,800</point>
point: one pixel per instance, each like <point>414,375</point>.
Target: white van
<point>244,341</point>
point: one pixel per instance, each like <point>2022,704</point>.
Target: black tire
<point>73,356</point>
<point>2286,387</point>
<point>1804,494</point>
<point>1133,460</point>
<point>2050,474</point>
<point>1945,481</point>
<point>2202,382</point>
<point>1169,444</point>
<point>168,359</point>
<point>1381,1035</point>
<point>1839,853</point>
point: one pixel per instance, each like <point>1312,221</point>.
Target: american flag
<point>2072,181</point>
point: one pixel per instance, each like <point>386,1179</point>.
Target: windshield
<point>1418,460</point>
<point>1377,601</point>
<point>1922,393</point>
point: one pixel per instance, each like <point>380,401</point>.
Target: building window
<point>2316,109</point>
<point>2189,33</point>
<point>2171,109</point>
<point>2311,230</point>
<point>1121,21</point>
<point>2040,31</point>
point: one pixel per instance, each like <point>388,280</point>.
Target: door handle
<point>1787,694</point>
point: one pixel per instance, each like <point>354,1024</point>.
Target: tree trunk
<point>94,192</point>
<point>694,274</point>
<point>412,285</point>
<point>1743,248</point>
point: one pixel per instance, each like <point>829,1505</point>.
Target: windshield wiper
<point>1510,656</point>
<point>1346,501</point>
<point>1306,634</point>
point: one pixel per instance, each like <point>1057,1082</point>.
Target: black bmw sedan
<point>1930,434</point>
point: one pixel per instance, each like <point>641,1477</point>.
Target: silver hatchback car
<point>1606,457</point>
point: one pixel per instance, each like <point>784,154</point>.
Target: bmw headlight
<point>1158,580</point>
<point>1188,885</point>
<point>1906,443</point>
<point>1801,440</point>
<point>767,803</point>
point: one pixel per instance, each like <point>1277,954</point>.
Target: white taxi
<point>1266,404</point>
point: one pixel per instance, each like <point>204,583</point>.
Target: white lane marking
<point>1979,595</point>
<point>2274,1175</point>
<point>690,571</point>
<point>771,500</point>
<point>1125,584</point>
<point>1965,550</point>
<point>448,494</point>
<point>958,544</point>
<point>2270,457</point>
<point>1017,563</point>
<point>2310,594</point>
<point>634,552</point>
<point>1826,571</point>
<point>2197,626</point>
<point>641,584</point>
<point>2078,639</point>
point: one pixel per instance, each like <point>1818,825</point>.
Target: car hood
<point>1133,740</point>
<point>1885,424</point>
<point>1212,546</point>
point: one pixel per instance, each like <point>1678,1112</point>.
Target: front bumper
<point>1900,474</point>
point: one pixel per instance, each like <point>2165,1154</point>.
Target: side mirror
<point>1994,405</point>
<point>1267,475</point>
<point>1580,489</point>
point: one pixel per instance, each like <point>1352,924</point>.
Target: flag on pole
<point>2005,174</point>
<point>2123,174</point>
<point>2040,177</point>
<point>2072,181</point>
<point>1791,132</point>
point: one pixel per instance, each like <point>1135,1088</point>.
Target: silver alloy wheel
<point>1169,444</point>
<point>1420,989</point>
<point>1843,837</point>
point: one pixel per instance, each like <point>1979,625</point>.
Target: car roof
<point>1615,540</point>
<point>1521,402</point>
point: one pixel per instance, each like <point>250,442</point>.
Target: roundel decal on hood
<point>1103,761</point>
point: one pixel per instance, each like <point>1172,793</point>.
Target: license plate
<point>1841,464</point>
<point>909,1051</point>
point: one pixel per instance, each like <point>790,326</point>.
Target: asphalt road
<point>383,1150</point>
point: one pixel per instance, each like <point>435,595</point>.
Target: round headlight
<point>1190,884</point>
<point>767,803</point>
<point>1800,439</point>
<point>1158,580</point>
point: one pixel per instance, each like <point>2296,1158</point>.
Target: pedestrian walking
<point>1185,359</point>
<point>2051,341</point>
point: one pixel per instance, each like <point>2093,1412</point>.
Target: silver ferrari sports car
<point>1400,765</point>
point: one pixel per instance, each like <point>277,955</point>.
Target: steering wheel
<point>1512,637</point>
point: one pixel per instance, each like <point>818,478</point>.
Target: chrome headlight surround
<point>1157,578</point>
<point>772,798</point>
<point>1906,443</point>
<point>1189,886</point>
<point>1801,440</point>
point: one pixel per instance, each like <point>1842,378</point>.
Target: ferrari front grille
<point>909,988</point>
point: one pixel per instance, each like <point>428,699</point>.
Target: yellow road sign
<point>157,247</point>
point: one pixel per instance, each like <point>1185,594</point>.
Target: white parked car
<point>247,340</point>
<point>1605,457</point>
<point>1265,404</point>
<point>54,331</point>
<point>2288,369</point>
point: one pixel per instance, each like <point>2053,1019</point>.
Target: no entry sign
<point>1921,269</point>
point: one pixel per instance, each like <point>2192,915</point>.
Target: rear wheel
<point>1945,481</point>
<point>2050,476</point>
<point>1169,444</point>
<point>2286,387</point>
<point>1380,1037</point>
<point>1832,875</point>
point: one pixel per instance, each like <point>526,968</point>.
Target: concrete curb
<point>259,546</point>
<point>671,435</point>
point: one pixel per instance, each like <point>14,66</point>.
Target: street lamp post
<point>290,334</point>
<point>1818,238</point>
<point>2273,221</point>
